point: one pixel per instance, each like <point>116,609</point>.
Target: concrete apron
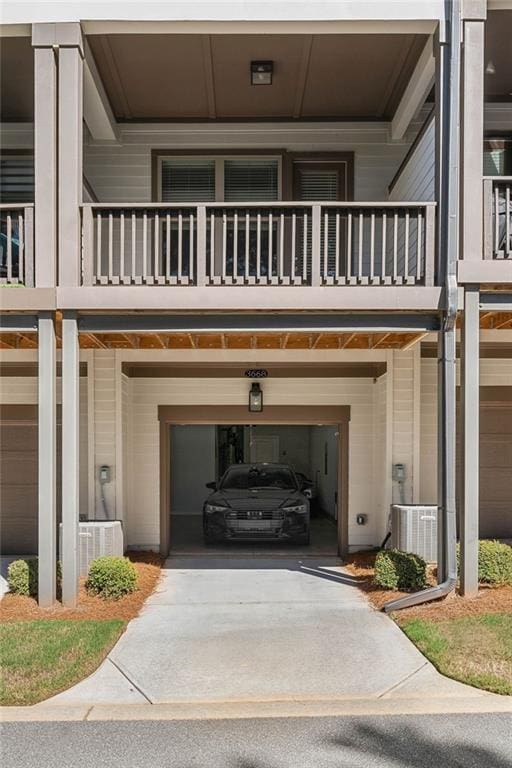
<point>229,632</point>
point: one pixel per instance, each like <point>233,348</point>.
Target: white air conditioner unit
<point>95,539</point>
<point>414,529</point>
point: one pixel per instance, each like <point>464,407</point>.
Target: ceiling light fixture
<point>261,72</point>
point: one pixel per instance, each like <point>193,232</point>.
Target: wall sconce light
<point>490,68</point>
<point>261,72</point>
<point>255,398</point>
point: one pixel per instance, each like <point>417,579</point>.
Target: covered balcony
<point>265,163</point>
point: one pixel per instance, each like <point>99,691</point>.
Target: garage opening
<point>283,495</point>
<point>309,445</point>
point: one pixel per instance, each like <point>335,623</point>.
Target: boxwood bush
<point>395,569</point>
<point>111,577</point>
<point>22,576</point>
<point>494,562</point>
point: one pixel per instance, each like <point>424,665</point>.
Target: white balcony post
<point>470,402</point>
<point>47,460</point>
<point>316,239</point>
<point>472,133</point>
<point>70,151</point>
<point>45,155</point>
<point>70,459</point>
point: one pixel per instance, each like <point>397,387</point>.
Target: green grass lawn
<point>40,658</point>
<point>476,650</point>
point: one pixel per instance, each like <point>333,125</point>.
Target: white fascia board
<point>416,92</point>
<point>24,11</point>
<point>98,114</point>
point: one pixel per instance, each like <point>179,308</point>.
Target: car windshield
<point>253,478</point>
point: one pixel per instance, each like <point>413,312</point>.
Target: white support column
<point>47,460</point>
<point>45,156</point>
<point>70,459</point>
<point>472,135</point>
<point>70,154</point>
<point>470,374</point>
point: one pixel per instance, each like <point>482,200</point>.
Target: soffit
<point>16,79</point>
<point>167,77</point>
<point>498,50</point>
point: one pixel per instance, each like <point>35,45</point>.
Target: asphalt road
<point>427,741</point>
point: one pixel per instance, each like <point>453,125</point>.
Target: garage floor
<point>187,539</point>
<point>246,629</point>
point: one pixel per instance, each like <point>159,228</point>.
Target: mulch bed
<point>148,565</point>
<point>489,599</point>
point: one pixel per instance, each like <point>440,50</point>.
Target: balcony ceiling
<point>200,77</point>
<point>16,79</point>
<point>498,50</point>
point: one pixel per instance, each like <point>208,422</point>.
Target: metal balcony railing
<point>17,245</point>
<point>497,217</point>
<point>267,244</point>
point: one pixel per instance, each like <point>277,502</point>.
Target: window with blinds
<point>252,180</point>
<point>318,184</point>
<point>188,180</point>
<point>17,178</point>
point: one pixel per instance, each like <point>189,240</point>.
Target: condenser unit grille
<point>96,539</point>
<point>414,529</point>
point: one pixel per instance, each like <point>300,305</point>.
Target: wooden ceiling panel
<point>152,76</point>
<point>167,77</point>
<point>359,75</point>
<point>498,52</point>
<point>16,80</point>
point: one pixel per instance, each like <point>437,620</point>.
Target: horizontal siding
<point>416,182</point>
<point>122,172</point>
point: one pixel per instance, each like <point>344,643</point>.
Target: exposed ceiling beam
<point>412,342</point>
<point>98,113</point>
<point>302,76</point>
<point>418,88</point>
<point>208,74</point>
<point>379,341</point>
<point>348,339</point>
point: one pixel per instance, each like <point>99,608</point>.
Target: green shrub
<point>395,569</point>
<point>494,562</point>
<point>111,577</point>
<point>22,576</point>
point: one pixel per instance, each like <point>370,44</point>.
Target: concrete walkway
<point>255,630</point>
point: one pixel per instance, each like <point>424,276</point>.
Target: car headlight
<point>210,509</point>
<point>300,509</point>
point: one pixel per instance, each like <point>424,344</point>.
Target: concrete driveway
<point>252,629</point>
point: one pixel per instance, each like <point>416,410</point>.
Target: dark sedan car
<point>257,502</point>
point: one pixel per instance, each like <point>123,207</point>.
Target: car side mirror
<point>307,493</point>
<point>212,486</point>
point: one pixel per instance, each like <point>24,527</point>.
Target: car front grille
<point>259,514</point>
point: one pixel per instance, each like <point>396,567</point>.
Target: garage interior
<point>201,453</point>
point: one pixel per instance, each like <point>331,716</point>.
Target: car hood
<point>267,498</point>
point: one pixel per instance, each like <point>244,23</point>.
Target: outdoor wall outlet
<point>361,519</point>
